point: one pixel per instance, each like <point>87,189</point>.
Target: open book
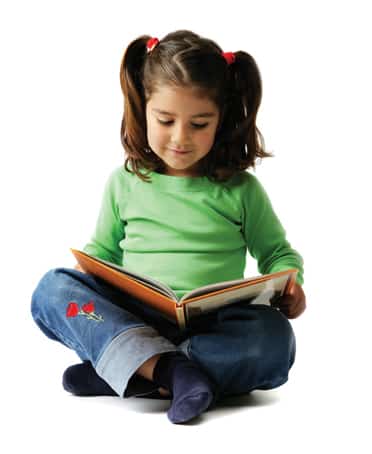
<point>258,290</point>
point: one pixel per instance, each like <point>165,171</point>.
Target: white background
<point>60,114</point>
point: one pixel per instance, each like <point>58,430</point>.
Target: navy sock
<point>82,380</point>
<point>192,391</point>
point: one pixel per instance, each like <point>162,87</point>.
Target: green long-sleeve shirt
<point>188,231</point>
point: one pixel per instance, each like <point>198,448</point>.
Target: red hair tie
<point>229,57</point>
<point>151,44</point>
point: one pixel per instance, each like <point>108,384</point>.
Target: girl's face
<point>179,119</point>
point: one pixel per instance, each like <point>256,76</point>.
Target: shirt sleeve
<point>264,234</point>
<point>109,229</point>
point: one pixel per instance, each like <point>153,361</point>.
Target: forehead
<point>180,101</point>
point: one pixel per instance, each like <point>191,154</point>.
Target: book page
<point>214,287</point>
<point>262,293</point>
<point>149,282</point>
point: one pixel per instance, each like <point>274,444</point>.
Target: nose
<point>181,136</point>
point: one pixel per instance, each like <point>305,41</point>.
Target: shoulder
<point>246,183</point>
<point>119,173</point>
<point>249,192</point>
<point>119,180</point>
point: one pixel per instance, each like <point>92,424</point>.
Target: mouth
<point>175,150</point>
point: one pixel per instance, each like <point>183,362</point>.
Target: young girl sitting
<point>183,210</point>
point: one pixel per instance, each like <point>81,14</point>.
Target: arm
<point>266,241</point>
<point>264,234</point>
<point>109,229</point>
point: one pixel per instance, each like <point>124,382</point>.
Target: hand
<point>294,304</point>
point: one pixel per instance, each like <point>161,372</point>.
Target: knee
<point>248,348</point>
<point>262,331</point>
<point>276,339</point>
<point>275,349</point>
<point>48,288</point>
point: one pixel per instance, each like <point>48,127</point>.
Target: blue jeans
<point>240,347</point>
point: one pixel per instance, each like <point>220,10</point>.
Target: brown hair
<point>185,59</point>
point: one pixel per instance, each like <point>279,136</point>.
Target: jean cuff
<point>127,352</point>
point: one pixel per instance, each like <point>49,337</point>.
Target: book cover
<point>262,289</point>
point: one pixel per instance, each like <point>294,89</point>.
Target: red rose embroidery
<point>88,311</point>
<point>72,309</point>
<point>88,307</point>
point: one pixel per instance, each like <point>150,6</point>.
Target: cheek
<point>153,134</point>
<point>149,136</point>
<point>207,139</point>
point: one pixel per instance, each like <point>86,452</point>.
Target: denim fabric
<point>241,347</point>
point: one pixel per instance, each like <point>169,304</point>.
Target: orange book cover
<point>259,290</point>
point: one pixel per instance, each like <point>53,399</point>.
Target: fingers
<point>290,306</point>
<point>294,312</point>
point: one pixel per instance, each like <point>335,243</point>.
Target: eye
<point>194,125</point>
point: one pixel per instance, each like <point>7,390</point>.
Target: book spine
<point>180,314</point>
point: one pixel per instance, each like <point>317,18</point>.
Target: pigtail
<point>133,122</point>
<point>245,99</point>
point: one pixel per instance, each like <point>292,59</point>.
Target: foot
<point>82,380</point>
<point>191,389</point>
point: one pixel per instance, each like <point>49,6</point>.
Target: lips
<point>179,151</point>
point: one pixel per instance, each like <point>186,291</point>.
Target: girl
<point>190,123</point>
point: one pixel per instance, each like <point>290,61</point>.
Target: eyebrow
<point>203,114</point>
